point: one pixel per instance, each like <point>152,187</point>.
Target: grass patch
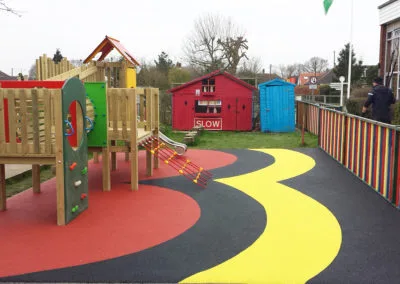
<point>247,140</point>
<point>207,140</point>
<point>23,181</point>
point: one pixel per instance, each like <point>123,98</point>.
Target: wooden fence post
<point>319,125</point>
<point>344,153</point>
<point>303,125</point>
<point>395,166</point>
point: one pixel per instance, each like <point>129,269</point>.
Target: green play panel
<point>97,113</point>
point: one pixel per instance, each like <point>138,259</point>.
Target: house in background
<point>293,79</point>
<point>5,77</point>
<point>327,78</point>
<point>389,20</point>
<point>305,77</point>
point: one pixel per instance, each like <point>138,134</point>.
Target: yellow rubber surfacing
<point>302,236</point>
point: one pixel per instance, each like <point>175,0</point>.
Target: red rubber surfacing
<point>117,223</point>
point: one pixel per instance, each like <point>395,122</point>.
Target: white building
<point>389,59</point>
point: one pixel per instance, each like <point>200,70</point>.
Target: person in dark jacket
<point>381,98</point>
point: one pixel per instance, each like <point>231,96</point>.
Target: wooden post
<point>319,125</point>
<point>122,74</point>
<point>156,122</point>
<point>303,126</point>
<point>395,173</point>
<point>38,70</point>
<point>345,137</point>
<point>3,196</point>
<point>149,162</point>
<point>149,124</point>
<point>96,157</point>
<point>36,178</point>
<point>106,168</point>
<point>127,153</point>
<point>59,159</point>
<point>113,157</point>
<point>134,144</point>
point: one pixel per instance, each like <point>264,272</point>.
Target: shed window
<point>208,85</point>
<point>204,106</point>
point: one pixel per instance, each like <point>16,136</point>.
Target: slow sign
<point>209,123</point>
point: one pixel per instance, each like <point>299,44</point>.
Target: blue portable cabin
<point>277,106</point>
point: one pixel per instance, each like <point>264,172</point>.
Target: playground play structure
<point>71,111</point>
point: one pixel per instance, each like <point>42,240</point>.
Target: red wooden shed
<point>216,101</point>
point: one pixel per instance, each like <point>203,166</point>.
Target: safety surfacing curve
<point>269,216</point>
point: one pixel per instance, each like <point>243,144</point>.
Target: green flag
<point>327,5</point>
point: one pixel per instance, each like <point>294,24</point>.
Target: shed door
<point>229,114</point>
<point>183,112</point>
<point>279,109</point>
<point>244,113</point>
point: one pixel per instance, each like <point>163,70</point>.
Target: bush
<point>354,106</point>
<point>356,102</point>
<point>360,92</point>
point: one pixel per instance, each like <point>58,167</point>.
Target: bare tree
<point>6,8</point>
<point>213,43</point>
<point>234,50</point>
<point>299,68</point>
<point>291,70</point>
<point>316,65</point>
<point>287,71</point>
<point>250,67</point>
<point>282,70</point>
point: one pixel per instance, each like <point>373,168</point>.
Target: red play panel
<point>117,223</point>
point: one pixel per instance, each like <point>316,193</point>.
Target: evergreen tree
<point>178,75</point>
<point>57,56</point>
<point>342,67</point>
<point>164,63</point>
<point>372,73</point>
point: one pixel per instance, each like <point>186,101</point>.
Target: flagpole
<point>350,50</point>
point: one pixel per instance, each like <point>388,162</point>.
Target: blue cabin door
<point>277,105</point>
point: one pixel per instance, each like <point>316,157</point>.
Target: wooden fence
<point>367,148</point>
<point>307,115</point>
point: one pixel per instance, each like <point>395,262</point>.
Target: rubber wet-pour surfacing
<point>270,215</point>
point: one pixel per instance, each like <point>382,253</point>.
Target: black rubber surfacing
<point>231,221</point>
<point>370,250</point>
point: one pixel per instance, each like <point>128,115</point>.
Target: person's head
<point>378,81</point>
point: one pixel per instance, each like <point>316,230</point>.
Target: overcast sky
<point>278,31</point>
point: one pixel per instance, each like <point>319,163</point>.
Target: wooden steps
<point>191,136</point>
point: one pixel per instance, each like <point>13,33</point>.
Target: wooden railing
<point>121,113</point>
<point>27,122</point>
<point>47,68</point>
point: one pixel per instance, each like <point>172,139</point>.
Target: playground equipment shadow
<point>170,229</point>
